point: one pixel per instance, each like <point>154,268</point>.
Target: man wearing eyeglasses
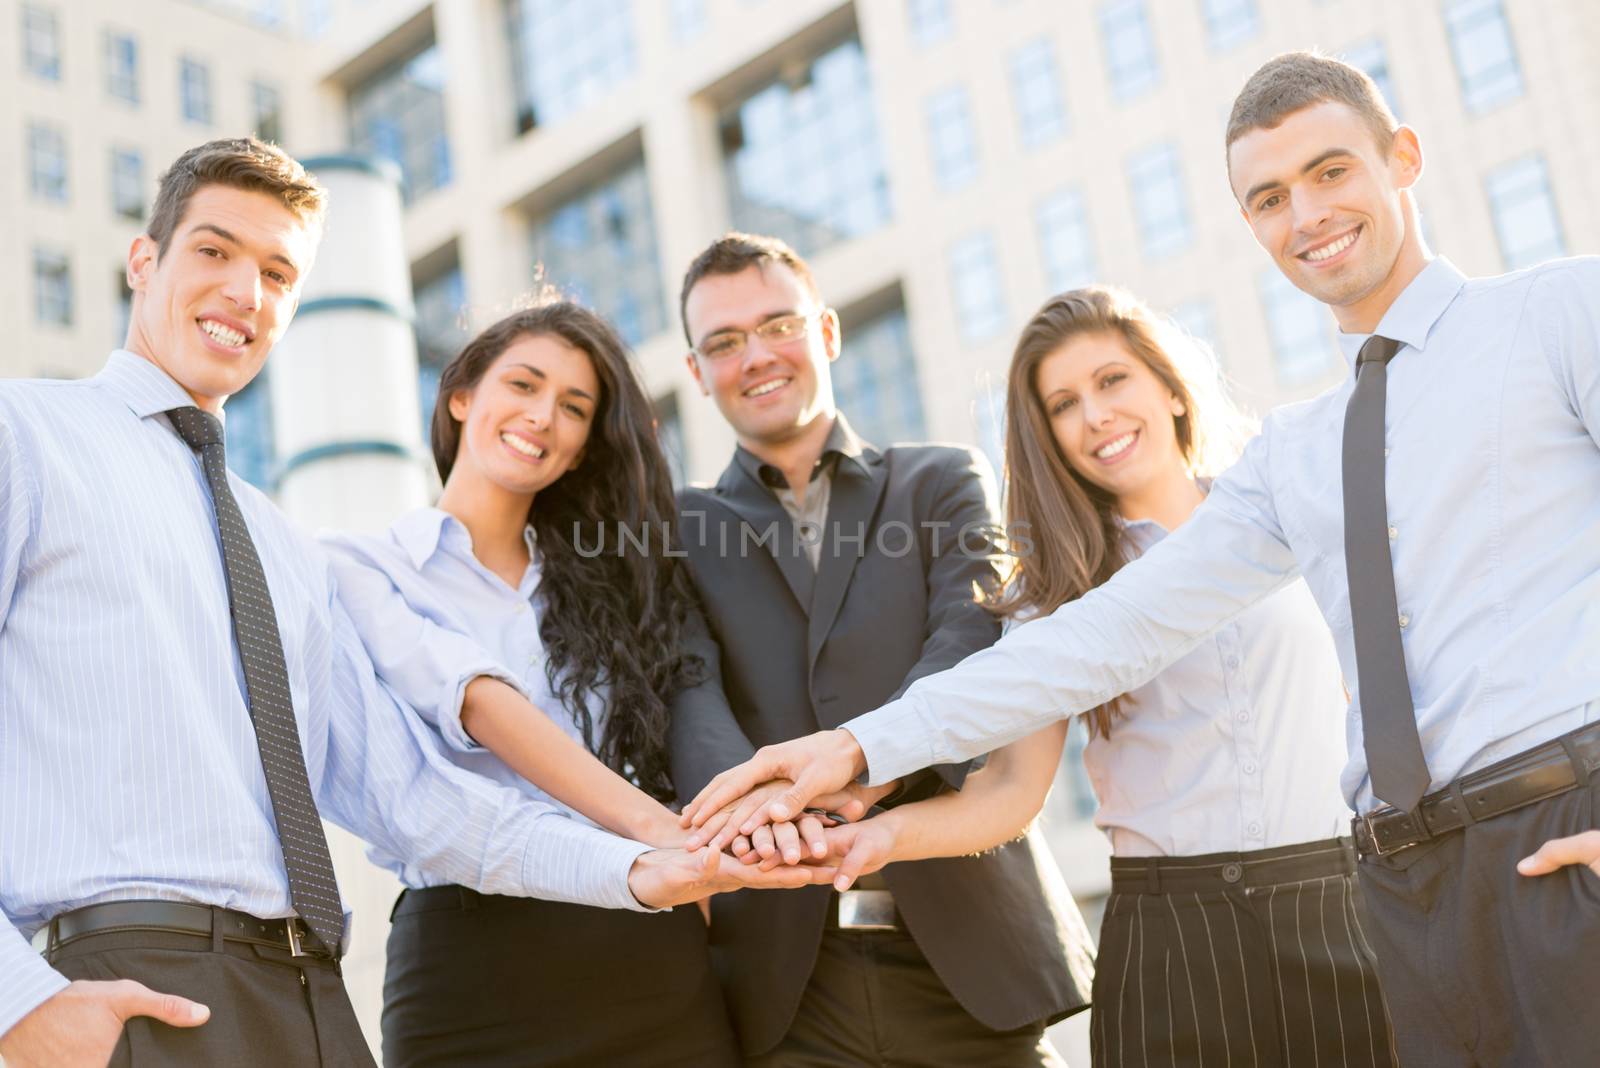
<point>834,575</point>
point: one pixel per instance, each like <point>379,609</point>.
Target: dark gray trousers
<point>267,1008</point>
<point>1481,965</point>
<point>874,1001</point>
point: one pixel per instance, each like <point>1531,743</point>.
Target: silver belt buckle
<point>295,949</point>
<point>866,910</point>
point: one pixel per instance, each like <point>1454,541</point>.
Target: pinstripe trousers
<point>1235,959</point>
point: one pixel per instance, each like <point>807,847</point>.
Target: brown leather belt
<point>177,917</point>
<point>1530,776</point>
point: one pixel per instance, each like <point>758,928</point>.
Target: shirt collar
<point>842,444</point>
<point>1414,311</point>
<point>424,532</point>
<point>143,386</point>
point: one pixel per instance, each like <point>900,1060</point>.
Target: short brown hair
<point>734,252</point>
<point>239,163</point>
<point>1289,82</point>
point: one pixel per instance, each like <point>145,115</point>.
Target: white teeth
<point>223,335</point>
<point>1334,249</point>
<point>766,387</point>
<point>524,447</point>
<point>1114,447</point>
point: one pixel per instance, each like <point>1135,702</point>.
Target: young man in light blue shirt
<point>161,782</point>
<point>1444,509</point>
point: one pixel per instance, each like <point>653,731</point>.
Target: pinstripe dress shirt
<point>129,768</point>
<point>434,618</point>
<point>1493,478</point>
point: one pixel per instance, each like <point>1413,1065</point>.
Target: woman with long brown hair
<point>1232,934</point>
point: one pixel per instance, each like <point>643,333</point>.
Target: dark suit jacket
<point>891,601</point>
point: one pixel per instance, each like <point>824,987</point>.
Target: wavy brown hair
<point>1076,539</point>
<point>613,621</point>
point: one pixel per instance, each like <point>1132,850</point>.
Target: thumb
<point>136,999</point>
<point>788,805</point>
<point>1558,852</point>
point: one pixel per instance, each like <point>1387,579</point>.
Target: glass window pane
<point>600,248</point>
<point>52,287</point>
<point>1036,94</point>
<point>122,66</point>
<point>47,162</point>
<point>399,114</point>
<point>1229,22</point>
<point>875,381</point>
<point>1130,48</point>
<point>1300,328</point>
<point>567,53</point>
<point>1371,57</point>
<point>127,184</point>
<point>930,20</point>
<point>1524,212</point>
<point>975,282</point>
<point>1486,57</point>
<point>951,137</point>
<point>249,429</point>
<point>194,89</point>
<point>688,18</point>
<point>267,108</point>
<point>1065,243</point>
<point>41,43</point>
<point>802,156</point>
<point>1159,202</point>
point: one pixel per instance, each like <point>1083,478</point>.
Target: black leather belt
<point>1531,775</point>
<point>177,917</point>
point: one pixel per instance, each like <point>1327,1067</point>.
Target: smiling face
<point>1110,415</point>
<point>1329,204</point>
<point>772,392</point>
<point>209,309</point>
<point>526,422</point>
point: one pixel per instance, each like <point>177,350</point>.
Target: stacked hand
<point>777,785</point>
<point>663,878</point>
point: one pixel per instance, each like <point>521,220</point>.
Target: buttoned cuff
<point>29,981</point>
<point>895,741</point>
<point>450,726</point>
<point>571,861</point>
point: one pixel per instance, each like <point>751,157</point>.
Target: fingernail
<point>199,1013</point>
<point>841,884</point>
<point>791,856</point>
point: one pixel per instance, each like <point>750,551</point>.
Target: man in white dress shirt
<point>1445,511</point>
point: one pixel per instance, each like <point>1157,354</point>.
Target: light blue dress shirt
<point>128,765</point>
<point>434,618</point>
<point>1493,435</point>
<point>1236,746</point>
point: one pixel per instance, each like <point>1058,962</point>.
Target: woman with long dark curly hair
<point>538,622</point>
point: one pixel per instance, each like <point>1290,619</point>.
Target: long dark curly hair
<point>613,620</point>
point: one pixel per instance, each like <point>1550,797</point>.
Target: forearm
<point>995,806</point>
<point>505,723</point>
<point>29,981</point>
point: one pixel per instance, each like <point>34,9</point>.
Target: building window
<point>1298,324</point>
<point>1036,94</point>
<point>251,448</point>
<point>1486,58</point>
<point>194,90</point>
<point>567,53</point>
<point>127,184</point>
<point>600,247</point>
<point>688,19</point>
<point>1370,56</point>
<point>47,162</point>
<point>124,313</point>
<point>669,432</point>
<point>1230,22</point>
<point>802,154</point>
<point>1130,48</point>
<point>980,297</point>
<point>930,21</point>
<point>122,66</point>
<point>41,43</point>
<point>1064,242</point>
<point>52,287</point>
<point>266,109</point>
<point>875,381</point>
<point>441,330</point>
<point>1525,213</point>
<point>399,114</point>
<point>1158,200</point>
<point>952,138</point>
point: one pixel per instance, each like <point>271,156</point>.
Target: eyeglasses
<point>729,344</point>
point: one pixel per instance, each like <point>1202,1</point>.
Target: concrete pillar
<point>349,442</point>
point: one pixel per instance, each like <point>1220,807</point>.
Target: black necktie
<point>255,628</point>
<point>1389,723</point>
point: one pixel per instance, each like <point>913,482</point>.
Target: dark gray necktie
<point>255,627</point>
<point>1389,723</point>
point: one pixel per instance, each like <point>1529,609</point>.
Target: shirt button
<point>1242,717</point>
<point>1232,872</point>
<point>1253,830</point>
<point>1248,768</point>
<point>1394,533</point>
<point>1405,621</point>
<point>1233,663</point>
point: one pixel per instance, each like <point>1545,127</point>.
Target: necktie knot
<point>197,428</point>
<point>1377,349</point>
